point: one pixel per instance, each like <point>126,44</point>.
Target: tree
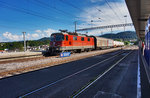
<point>126,42</point>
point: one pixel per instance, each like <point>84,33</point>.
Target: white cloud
<point>38,31</point>
<point>1,39</point>
<point>45,33</point>
<point>49,31</point>
<point>12,37</point>
<point>103,15</point>
<point>35,35</point>
<point>29,36</point>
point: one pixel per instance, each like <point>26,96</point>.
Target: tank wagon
<point>118,44</point>
<point>75,42</point>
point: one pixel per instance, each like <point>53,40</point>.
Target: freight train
<point>66,41</point>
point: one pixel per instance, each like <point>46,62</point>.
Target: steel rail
<point>98,77</point>
<point>69,76</point>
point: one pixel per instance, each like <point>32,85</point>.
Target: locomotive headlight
<point>57,48</point>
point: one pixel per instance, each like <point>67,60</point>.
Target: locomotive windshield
<point>52,38</point>
<point>57,38</point>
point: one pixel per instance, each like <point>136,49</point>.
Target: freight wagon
<point>102,43</point>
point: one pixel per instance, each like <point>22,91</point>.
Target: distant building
<point>37,48</point>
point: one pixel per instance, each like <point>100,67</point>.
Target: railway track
<point>95,79</point>
<point>4,60</point>
<point>24,58</point>
<point>20,58</point>
<point>26,64</point>
<point>78,73</point>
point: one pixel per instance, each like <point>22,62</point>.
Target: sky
<point>41,18</point>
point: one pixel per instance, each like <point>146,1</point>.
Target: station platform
<point>144,76</point>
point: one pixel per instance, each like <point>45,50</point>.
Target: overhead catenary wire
<point>46,7</point>
<point>76,7</point>
<point>19,22</point>
<point>49,6</point>
<point>14,27</point>
<point>117,7</point>
<point>72,5</point>
<point>123,12</point>
<point>100,11</point>
<point>112,9</point>
<point>125,7</point>
<point>26,11</point>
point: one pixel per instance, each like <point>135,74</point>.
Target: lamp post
<point>24,41</point>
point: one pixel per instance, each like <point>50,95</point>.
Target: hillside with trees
<point>125,36</point>
<point>18,46</point>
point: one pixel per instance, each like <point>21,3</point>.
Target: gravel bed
<point>17,54</point>
<point>21,67</point>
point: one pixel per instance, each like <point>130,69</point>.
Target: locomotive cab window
<point>82,38</point>
<point>59,37</point>
<point>52,38</point>
<point>88,39</point>
<point>74,38</point>
<point>66,37</point>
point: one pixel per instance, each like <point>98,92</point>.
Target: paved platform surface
<point>145,86</point>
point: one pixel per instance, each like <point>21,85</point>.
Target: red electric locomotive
<point>66,41</point>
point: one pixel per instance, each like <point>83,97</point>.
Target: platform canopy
<point>139,11</point>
